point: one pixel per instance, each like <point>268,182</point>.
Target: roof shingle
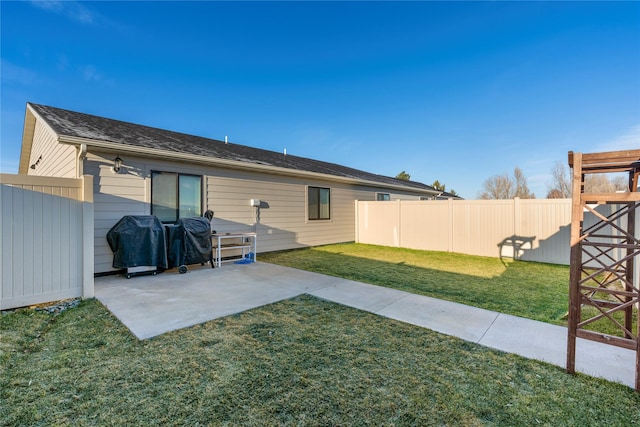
<point>74,124</point>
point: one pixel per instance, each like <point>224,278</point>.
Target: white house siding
<point>227,192</point>
<point>115,195</point>
<point>49,157</point>
<point>283,217</point>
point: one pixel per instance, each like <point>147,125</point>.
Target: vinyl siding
<point>227,192</point>
<point>115,195</point>
<point>52,158</point>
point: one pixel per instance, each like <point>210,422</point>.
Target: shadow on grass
<point>532,290</point>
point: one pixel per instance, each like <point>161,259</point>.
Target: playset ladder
<point>605,253</point>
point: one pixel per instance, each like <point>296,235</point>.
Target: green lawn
<point>306,361</point>
<point>299,362</point>
<point>527,289</point>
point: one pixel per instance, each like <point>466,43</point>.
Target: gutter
<point>234,164</point>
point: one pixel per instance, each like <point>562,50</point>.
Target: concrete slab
<point>462,321</point>
<point>546,342</point>
<point>359,295</point>
<point>605,361</point>
<point>152,305</point>
<point>511,334</point>
<point>535,340</point>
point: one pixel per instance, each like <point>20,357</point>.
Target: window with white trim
<point>318,203</point>
<point>383,197</point>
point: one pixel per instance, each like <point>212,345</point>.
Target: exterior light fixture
<point>33,166</point>
<point>117,164</point>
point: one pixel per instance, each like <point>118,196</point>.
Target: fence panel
<point>419,231</point>
<point>44,239</point>
<point>532,230</point>
<point>546,224</point>
<point>483,227</point>
<point>381,226</point>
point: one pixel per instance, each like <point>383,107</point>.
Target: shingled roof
<point>86,126</point>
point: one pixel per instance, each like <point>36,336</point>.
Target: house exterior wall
<point>115,195</point>
<point>49,157</point>
<point>283,216</point>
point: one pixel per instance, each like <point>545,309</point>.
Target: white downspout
<point>82,154</point>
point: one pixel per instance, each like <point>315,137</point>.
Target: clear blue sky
<point>452,91</point>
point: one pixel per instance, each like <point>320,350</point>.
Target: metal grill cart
<point>138,245</point>
<point>232,247</point>
<point>189,242</point>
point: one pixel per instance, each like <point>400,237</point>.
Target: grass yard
<point>303,361</point>
<point>527,289</point>
<point>532,290</point>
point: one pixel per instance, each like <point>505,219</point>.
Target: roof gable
<point>80,125</point>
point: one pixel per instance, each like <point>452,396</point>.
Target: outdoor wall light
<point>33,166</point>
<point>117,164</point>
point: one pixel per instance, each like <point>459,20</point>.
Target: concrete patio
<point>152,305</point>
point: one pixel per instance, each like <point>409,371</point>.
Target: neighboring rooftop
<point>80,125</point>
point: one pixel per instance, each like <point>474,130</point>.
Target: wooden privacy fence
<point>531,229</point>
<point>46,245</point>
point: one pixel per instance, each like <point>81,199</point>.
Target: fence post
<point>517,224</point>
<point>399,224</point>
<point>87,237</point>
<point>517,216</point>
<point>357,236</point>
<point>451,224</point>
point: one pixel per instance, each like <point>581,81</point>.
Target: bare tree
<point>554,193</point>
<point>593,183</point>
<point>601,183</point>
<point>498,187</point>
<point>521,187</point>
<point>505,187</point>
<point>560,188</point>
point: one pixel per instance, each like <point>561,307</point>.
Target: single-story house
<point>289,201</point>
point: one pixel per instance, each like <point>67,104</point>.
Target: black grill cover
<point>189,241</point>
<point>138,240</point>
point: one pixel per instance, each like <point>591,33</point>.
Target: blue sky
<point>453,91</point>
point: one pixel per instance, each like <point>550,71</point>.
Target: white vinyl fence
<point>46,250</point>
<point>526,229</point>
<point>531,229</point>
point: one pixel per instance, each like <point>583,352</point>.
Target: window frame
<point>199,209</point>
<point>384,199</point>
<point>319,204</point>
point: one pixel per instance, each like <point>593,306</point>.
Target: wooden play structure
<point>605,255</point>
